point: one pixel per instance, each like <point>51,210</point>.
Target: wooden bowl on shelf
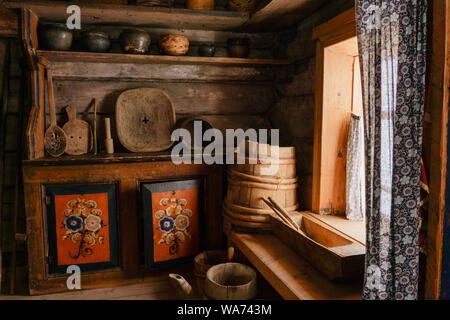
<point>174,44</point>
<point>156,3</point>
<point>200,4</point>
<point>242,5</point>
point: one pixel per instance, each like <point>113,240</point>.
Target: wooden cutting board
<point>78,132</point>
<point>145,119</point>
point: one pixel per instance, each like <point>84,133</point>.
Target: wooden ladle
<point>55,139</point>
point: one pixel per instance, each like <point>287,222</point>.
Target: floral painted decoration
<point>174,222</point>
<point>83,224</point>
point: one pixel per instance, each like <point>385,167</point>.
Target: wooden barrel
<point>255,149</point>
<point>230,281</point>
<point>250,193</point>
<point>286,167</point>
<point>203,262</point>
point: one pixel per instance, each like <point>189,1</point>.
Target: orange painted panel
<point>82,228</point>
<point>175,217</point>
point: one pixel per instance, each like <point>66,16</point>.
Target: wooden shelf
<point>71,56</point>
<point>138,15</point>
<point>288,273</point>
<point>102,158</point>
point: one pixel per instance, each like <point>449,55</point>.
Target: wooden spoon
<point>78,132</point>
<point>55,139</point>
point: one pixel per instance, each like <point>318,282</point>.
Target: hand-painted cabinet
<point>120,218</point>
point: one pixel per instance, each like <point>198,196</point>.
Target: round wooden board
<point>145,119</point>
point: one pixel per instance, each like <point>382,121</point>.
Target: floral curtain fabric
<point>392,44</point>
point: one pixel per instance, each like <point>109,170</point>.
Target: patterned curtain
<point>392,44</point>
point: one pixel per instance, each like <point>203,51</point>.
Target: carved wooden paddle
<point>55,140</point>
<point>78,132</point>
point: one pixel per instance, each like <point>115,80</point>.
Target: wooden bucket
<point>250,193</point>
<point>203,262</point>
<point>256,149</point>
<point>286,168</point>
<point>230,281</point>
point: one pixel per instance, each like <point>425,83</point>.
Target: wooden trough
<point>334,254</point>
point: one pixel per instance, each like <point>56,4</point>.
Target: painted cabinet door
<point>172,218</point>
<point>81,227</point>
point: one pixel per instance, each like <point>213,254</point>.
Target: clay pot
<point>96,41</point>
<point>200,4</point>
<point>242,5</point>
<point>134,41</point>
<point>174,44</point>
<point>238,47</point>
<point>55,36</point>
<point>206,50</point>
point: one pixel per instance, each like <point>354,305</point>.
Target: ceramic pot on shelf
<point>135,41</point>
<point>174,44</point>
<point>96,41</point>
<point>55,36</point>
<point>206,50</point>
<point>200,4</point>
<point>238,47</point>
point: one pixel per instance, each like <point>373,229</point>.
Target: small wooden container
<point>203,262</point>
<point>238,47</point>
<point>200,4</point>
<point>242,5</point>
<point>174,44</point>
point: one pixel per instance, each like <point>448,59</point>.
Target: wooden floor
<point>161,290</point>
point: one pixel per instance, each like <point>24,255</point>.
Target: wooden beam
<point>281,14</point>
<point>8,23</point>
<point>439,100</point>
<point>127,15</point>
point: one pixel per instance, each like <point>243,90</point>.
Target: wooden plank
<point>127,15</point>
<point>289,274</point>
<point>187,97</point>
<point>281,14</point>
<point>154,290</point>
<point>67,56</point>
<point>439,102</point>
<point>354,229</point>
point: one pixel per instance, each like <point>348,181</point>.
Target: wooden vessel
<point>242,5</point>
<point>203,262</point>
<point>286,167</point>
<point>230,281</point>
<point>250,193</point>
<point>174,44</point>
<point>145,119</point>
<point>331,252</point>
<point>200,4</point>
<point>261,150</point>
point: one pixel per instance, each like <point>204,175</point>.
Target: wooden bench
<point>289,274</point>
